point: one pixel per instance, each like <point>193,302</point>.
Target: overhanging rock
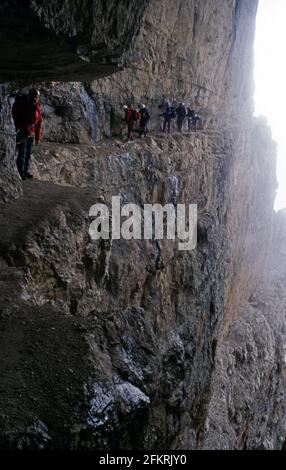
<point>66,40</point>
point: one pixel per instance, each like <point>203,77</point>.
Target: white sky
<point>270,79</point>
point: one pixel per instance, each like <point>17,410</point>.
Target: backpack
<point>190,113</point>
<point>21,99</point>
<point>181,111</point>
<point>135,115</point>
<point>145,115</point>
<point>171,112</point>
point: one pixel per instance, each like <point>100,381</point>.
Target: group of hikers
<point>27,116</point>
<point>132,117</point>
<point>182,113</point>
<point>141,118</point>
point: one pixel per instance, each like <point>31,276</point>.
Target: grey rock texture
<point>134,344</point>
<point>197,52</point>
<point>200,52</point>
<point>148,316</point>
<point>132,299</point>
<point>247,409</point>
<point>10,183</point>
<point>66,40</point>
<point>250,215</point>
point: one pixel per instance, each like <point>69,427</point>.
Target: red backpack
<point>135,115</point>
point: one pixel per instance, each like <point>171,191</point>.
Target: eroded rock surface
<point>150,316</point>
<point>10,182</point>
<point>247,408</point>
<point>198,52</point>
<point>70,40</point>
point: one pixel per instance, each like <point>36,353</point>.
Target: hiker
<point>27,116</point>
<point>131,116</point>
<point>196,121</point>
<point>144,119</point>
<point>168,115</point>
<point>190,118</point>
<point>181,115</point>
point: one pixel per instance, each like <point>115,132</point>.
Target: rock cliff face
<point>198,52</point>
<point>135,344</point>
<point>66,40</point>
<point>10,186</point>
<point>247,408</point>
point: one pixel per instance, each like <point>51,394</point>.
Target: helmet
<point>33,93</point>
<point>125,107</point>
<point>143,106</point>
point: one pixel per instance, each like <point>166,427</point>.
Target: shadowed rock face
<point>59,40</point>
<point>139,319</point>
<point>143,319</point>
<point>10,182</point>
<point>66,40</point>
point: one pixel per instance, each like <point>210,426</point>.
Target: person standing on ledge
<point>27,116</point>
<point>144,119</point>
<point>131,116</point>
<point>190,117</point>
<point>181,115</point>
<point>168,115</point>
<point>197,122</point>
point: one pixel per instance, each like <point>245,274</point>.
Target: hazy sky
<point>270,79</point>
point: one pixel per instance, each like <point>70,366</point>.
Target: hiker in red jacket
<point>27,116</point>
<point>131,116</point>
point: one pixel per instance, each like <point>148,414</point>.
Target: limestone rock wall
<point>146,314</point>
<point>198,52</point>
<point>250,215</point>
<point>55,40</point>
<point>69,40</point>
<point>10,183</point>
<point>247,408</point>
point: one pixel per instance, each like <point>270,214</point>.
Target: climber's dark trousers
<point>130,126</point>
<point>167,124</point>
<point>180,122</point>
<point>24,150</point>
<point>143,129</point>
